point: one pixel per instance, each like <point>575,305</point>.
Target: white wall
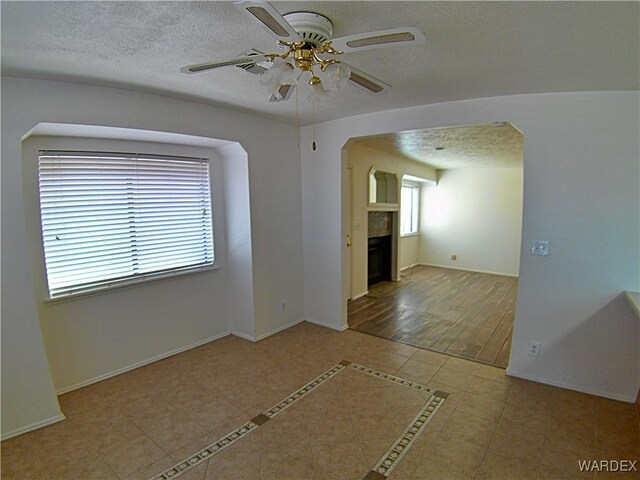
<point>89,337</point>
<point>409,248</point>
<point>581,177</point>
<point>361,159</point>
<point>475,214</point>
<point>274,184</point>
<point>237,204</point>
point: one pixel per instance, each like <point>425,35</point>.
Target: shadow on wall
<point>585,346</point>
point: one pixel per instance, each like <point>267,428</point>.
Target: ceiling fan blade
<point>256,67</point>
<point>383,38</point>
<point>253,68</point>
<point>366,82</point>
<point>232,62</point>
<point>270,19</point>
<point>285,93</point>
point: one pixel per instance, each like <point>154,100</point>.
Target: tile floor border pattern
<point>240,432</point>
<point>381,469</point>
<point>388,376</point>
<point>400,447</point>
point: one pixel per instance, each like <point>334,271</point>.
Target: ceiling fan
<point>305,44</point>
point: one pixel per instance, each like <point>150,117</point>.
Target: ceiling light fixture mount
<point>327,74</point>
<point>312,27</point>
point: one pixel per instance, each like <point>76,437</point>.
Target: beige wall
<point>360,159</point>
<point>475,214</point>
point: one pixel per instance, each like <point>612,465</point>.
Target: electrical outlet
<point>534,349</point>
<point>540,248</point>
<point>283,306</point>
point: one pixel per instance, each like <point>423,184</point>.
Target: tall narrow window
<point>409,209</point>
<point>112,218</point>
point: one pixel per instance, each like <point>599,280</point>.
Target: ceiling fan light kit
<point>306,46</point>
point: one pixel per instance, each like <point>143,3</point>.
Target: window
<point>112,218</point>
<point>409,209</point>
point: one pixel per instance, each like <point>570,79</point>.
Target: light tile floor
<point>491,426</point>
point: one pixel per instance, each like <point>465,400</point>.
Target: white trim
<point>141,363</point>
<point>244,336</point>
<point>418,181</point>
<point>383,207</point>
<point>134,282</point>
<point>360,295</point>
<point>634,301</point>
<point>590,391</point>
<point>411,266</point>
<point>410,234</point>
<point>327,325</point>
<point>468,269</point>
<point>33,426</point>
<point>253,338</point>
<point>279,329</point>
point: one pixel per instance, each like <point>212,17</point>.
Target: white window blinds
<point>109,218</point>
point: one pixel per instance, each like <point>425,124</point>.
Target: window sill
<point>412,234</point>
<point>138,282</point>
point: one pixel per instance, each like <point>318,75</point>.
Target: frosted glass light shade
<point>290,72</point>
<point>281,73</point>
<point>335,76</point>
<point>271,79</point>
<point>319,94</point>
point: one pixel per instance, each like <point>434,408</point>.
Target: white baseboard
<point>327,325</point>
<point>33,426</point>
<point>411,266</point>
<point>467,269</point>
<point>252,338</point>
<point>590,391</point>
<point>141,363</point>
<point>279,329</point>
<point>355,297</point>
<point>244,336</point>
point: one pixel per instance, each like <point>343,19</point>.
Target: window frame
<point>90,286</point>
<point>30,165</point>
<point>414,189</point>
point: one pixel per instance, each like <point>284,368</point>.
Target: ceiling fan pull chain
<point>313,117</point>
<point>298,116</point>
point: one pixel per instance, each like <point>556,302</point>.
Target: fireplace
<point>379,263</point>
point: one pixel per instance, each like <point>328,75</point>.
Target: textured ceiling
<point>477,146</point>
<point>473,49</point>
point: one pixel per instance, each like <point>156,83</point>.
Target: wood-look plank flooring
<point>466,314</point>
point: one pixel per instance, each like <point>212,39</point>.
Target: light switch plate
<point>540,247</point>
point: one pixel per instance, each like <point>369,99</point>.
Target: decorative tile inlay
<point>389,377</point>
<point>309,387</point>
<point>374,476</point>
<point>206,453</point>
<point>401,446</point>
<point>238,433</point>
<point>260,419</point>
<point>380,471</point>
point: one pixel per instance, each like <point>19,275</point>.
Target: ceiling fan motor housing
<point>312,27</point>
